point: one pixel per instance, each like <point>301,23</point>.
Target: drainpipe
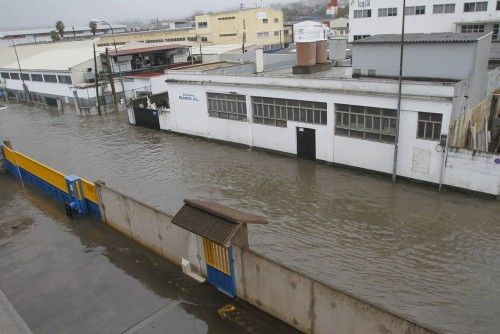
<point>398,115</point>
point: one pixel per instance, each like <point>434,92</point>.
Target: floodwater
<point>80,276</point>
<point>432,257</point>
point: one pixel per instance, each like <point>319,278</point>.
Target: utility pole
<point>96,84</point>
<point>25,88</point>
<point>243,43</point>
<point>400,86</point>
<point>111,78</point>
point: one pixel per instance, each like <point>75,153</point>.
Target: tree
<point>54,36</point>
<point>93,27</point>
<point>60,28</point>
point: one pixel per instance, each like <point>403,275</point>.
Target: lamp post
<point>400,86</point>
<point>25,88</point>
<point>116,55</point>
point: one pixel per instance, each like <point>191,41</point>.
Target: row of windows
<point>448,8</point>
<point>226,18</point>
<point>229,106</point>
<point>109,44</point>
<point>369,123</point>
<point>227,35</point>
<point>63,79</point>
<point>379,124</point>
<point>275,111</point>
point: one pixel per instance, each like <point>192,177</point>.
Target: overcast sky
<point>44,13</point>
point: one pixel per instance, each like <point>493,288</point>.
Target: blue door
<point>220,267</point>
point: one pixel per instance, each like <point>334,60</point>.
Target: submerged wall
<point>302,302</point>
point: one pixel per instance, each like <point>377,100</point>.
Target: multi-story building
<point>373,17</point>
<point>252,26</point>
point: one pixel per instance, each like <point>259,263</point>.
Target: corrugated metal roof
<point>213,221</point>
<point>422,38</point>
<point>148,49</point>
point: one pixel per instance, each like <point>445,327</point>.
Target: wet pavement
<point>80,276</point>
<point>434,257</point>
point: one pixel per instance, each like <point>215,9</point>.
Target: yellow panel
<point>45,173</point>
<point>89,190</point>
<point>216,256</point>
<point>9,155</point>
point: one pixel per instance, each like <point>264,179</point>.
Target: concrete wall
<point>304,303</point>
<point>454,61</point>
<point>150,227</point>
<point>474,171</point>
<point>307,304</point>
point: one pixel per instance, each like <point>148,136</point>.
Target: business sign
<point>188,97</point>
<point>363,3</point>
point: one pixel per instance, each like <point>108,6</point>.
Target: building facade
<point>253,26</point>
<point>373,17</point>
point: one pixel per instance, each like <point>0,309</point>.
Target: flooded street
<point>432,257</point>
<point>80,276</point>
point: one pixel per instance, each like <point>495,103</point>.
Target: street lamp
<point>25,88</point>
<point>96,21</point>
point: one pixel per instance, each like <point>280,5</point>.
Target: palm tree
<point>93,27</point>
<point>60,27</point>
<point>54,36</point>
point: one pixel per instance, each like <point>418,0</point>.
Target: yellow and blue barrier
<point>79,194</point>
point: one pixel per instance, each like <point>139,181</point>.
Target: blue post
<point>77,204</point>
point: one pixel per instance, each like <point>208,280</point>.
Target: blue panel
<point>223,282</point>
<point>93,209</point>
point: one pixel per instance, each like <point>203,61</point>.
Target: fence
<point>49,180</point>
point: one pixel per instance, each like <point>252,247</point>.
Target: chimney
<point>259,61</point>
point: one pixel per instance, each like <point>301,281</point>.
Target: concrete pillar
<point>59,105</point>
<point>77,104</point>
<point>259,61</point>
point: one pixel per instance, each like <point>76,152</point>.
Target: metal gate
<point>220,268</point>
<point>147,118</point>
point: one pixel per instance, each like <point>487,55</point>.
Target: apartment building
<point>373,17</point>
<point>253,26</point>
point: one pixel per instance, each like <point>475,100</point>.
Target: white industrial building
<point>51,75</point>
<point>333,117</point>
<point>373,17</point>
<point>42,35</point>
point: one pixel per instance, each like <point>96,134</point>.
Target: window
<point>202,25</point>
<point>429,126</point>
<point>228,106</point>
<point>276,20</point>
<point>276,112</point>
<point>25,76</point>
<point>415,10</point>
<point>14,76</point>
<point>367,123</point>
<point>276,33</point>
<point>227,35</point>
<point>226,18</point>
<point>447,8</point>
<point>64,79</point>
<point>358,37</point>
<point>49,78</point>
<point>476,6</point>
<point>361,13</point>
<point>262,34</point>
<point>498,5</point>
<point>495,32</point>
<point>472,28</point>
<point>204,39</point>
<point>264,21</point>
<point>387,12</point>
<point>192,39</point>
<point>5,75</point>
<point>36,77</point>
